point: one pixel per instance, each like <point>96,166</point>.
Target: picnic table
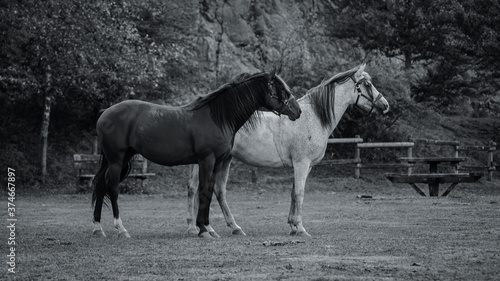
<point>434,178</point>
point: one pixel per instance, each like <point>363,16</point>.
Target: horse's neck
<point>343,99</point>
<point>237,125</point>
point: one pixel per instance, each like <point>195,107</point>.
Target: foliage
<point>401,28</point>
<point>96,53</point>
<point>469,64</point>
<point>457,39</point>
<point>99,52</point>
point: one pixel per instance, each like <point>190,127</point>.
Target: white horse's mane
<point>322,96</point>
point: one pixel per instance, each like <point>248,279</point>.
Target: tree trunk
<point>45,124</point>
<point>407,60</point>
<point>219,38</point>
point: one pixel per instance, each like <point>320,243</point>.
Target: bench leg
<point>417,189</point>
<point>80,185</point>
<point>89,184</point>
<point>452,186</point>
<point>433,189</point>
<point>433,185</point>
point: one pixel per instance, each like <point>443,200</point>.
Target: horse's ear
<point>272,74</point>
<point>359,72</point>
<point>280,68</point>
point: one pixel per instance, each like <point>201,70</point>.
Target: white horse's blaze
<point>278,142</point>
<point>381,101</point>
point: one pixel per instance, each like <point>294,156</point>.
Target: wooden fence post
<point>144,167</point>
<point>410,155</point>
<point>94,145</point>
<point>491,167</point>
<point>357,155</point>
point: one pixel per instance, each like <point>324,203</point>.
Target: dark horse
<point>201,132</point>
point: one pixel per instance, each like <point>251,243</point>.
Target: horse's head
<point>280,99</point>
<point>367,96</point>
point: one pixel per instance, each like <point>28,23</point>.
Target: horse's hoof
<point>124,234</point>
<point>98,233</point>
<point>214,234</point>
<point>239,232</point>
<point>192,231</point>
<point>302,233</point>
<point>205,235</point>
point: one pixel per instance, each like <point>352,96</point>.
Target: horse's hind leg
<point>100,189</point>
<point>99,194</point>
<point>192,199</point>
<point>113,176</point>
<point>220,193</point>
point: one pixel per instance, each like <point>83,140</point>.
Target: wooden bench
<point>433,180</point>
<point>457,149</point>
<point>87,165</point>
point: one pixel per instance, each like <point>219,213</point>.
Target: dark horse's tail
<point>100,187</point>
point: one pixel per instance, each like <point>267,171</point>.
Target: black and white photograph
<point>250,139</point>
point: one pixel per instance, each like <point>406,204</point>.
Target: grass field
<point>397,235</point>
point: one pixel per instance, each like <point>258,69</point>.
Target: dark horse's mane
<point>230,105</point>
<point>322,97</point>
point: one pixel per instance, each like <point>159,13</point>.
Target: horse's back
<point>165,135</point>
<point>119,117</point>
<point>123,110</point>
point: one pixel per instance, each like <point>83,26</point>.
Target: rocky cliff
<point>230,37</point>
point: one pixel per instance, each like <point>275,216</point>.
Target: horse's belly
<point>167,157</point>
<point>170,161</point>
<point>257,155</point>
<point>252,160</point>
<point>167,150</point>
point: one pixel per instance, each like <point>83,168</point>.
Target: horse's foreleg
<point>301,171</point>
<point>192,199</point>
<point>113,175</point>
<point>218,170</point>
<point>205,192</point>
<point>220,193</point>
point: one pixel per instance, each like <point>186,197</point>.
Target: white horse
<point>278,142</point>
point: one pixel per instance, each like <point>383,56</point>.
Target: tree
<point>457,39</point>
<point>413,30</point>
<point>72,52</point>
<point>469,62</point>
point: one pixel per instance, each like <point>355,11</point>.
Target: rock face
<point>253,35</point>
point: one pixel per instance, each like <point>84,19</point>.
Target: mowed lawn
<point>396,235</point>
